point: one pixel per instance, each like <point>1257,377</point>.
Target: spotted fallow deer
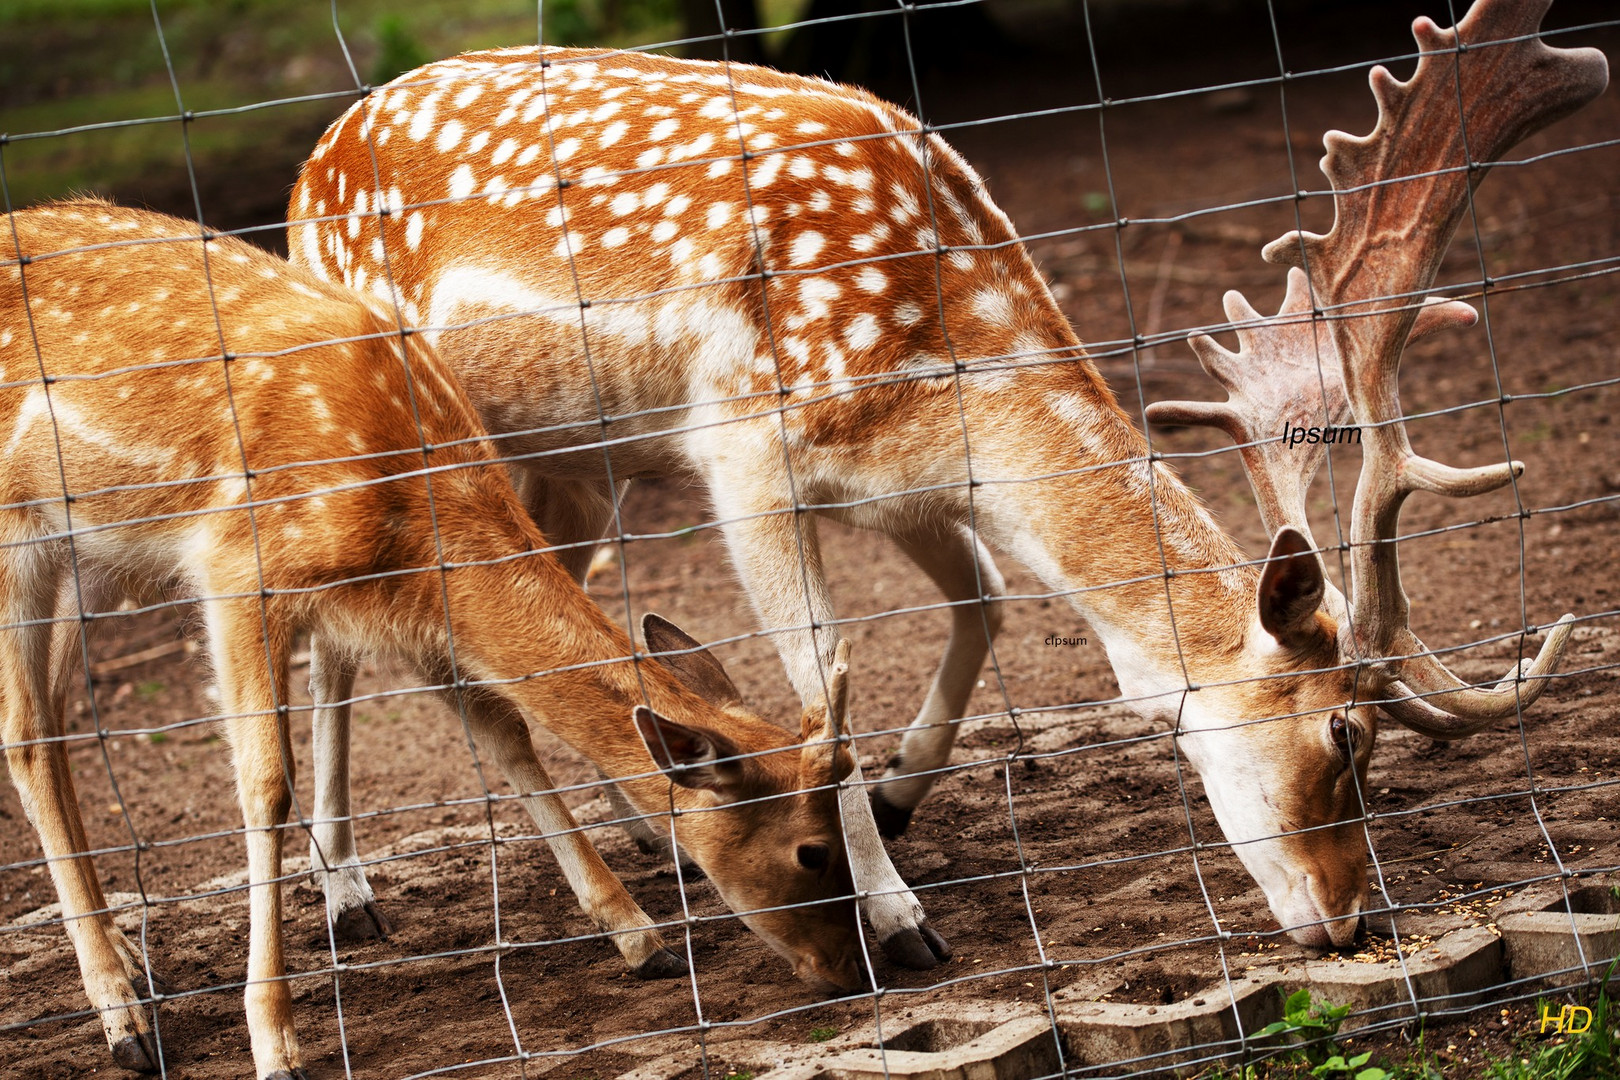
<point>798,294</point>
<point>207,418</point>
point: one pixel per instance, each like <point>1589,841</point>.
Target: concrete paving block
<point>1098,1032</point>
<point>1543,943</point>
<point>1451,973</point>
<point>1015,1050</point>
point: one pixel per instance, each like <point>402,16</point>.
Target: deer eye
<point>814,856</point>
<point>1344,735</point>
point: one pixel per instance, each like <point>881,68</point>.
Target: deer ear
<point>1291,588</point>
<point>689,661</point>
<point>689,756</point>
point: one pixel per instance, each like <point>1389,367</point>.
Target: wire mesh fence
<point>574,343</point>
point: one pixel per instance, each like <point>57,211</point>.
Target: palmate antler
<point>1399,194</point>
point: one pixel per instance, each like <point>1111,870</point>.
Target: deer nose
<point>845,976</point>
<point>1320,930</point>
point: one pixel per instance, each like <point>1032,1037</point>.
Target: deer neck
<point>515,620</point>
<point>1133,550</point>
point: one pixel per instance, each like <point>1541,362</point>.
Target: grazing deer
<point>794,292</point>
<point>204,416</point>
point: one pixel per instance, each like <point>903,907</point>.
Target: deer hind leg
<point>574,514</point>
<point>499,731</point>
<point>779,559</point>
<point>334,859</point>
<point>33,693</point>
<point>962,568</point>
<point>252,676</point>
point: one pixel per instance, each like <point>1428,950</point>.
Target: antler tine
<point>1273,376</point>
<point>1399,194</point>
<point>1286,369</point>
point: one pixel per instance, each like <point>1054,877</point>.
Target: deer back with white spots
<point>236,431</point>
<point>792,291</point>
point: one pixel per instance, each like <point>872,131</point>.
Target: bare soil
<point>1076,823</point>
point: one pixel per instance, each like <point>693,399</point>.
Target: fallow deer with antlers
<point>201,416</point>
<point>798,294</point>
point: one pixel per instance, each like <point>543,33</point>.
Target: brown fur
<point>287,488</point>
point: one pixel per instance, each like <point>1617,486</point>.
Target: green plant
<point>149,690</point>
<point>822,1034</point>
<point>1357,1067</point>
<point>1314,1024</point>
<point>1592,1054</point>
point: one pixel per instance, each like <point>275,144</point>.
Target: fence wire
<point>1024,859</point>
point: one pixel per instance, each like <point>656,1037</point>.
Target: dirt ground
<point>1112,886</point>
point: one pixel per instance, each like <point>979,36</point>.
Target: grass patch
<point>1590,1053</point>
<point>822,1034</point>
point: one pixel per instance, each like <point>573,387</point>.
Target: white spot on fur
<point>863,332</point>
<point>449,135</point>
<point>814,294</point>
<point>806,246</point>
<point>462,182</point>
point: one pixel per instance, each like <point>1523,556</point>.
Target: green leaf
<point>1374,1073</point>
<point>1359,1060</point>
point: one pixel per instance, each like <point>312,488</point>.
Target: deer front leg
<point>334,859</point>
<point>962,568</point>
<point>262,756</point>
<point>779,559</point>
<point>37,758</point>
<point>500,732</point>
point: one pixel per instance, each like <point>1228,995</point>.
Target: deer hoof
<point>149,987</point>
<point>891,819</point>
<point>364,923</point>
<point>662,964</point>
<point>285,1074</point>
<point>919,949</point>
<point>137,1053</point>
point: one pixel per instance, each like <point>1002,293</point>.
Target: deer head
<point>784,870</point>
<point>1355,297</point>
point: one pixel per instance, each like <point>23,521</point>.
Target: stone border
<point>985,1040</point>
<point>1536,941</point>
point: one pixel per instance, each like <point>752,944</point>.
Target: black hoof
<point>648,846</point>
<point>918,949</point>
<point>137,1053</point>
<point>662,964</point>
<point>364,923</point>
<point>283,1074</point>
<point>891,820</point>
